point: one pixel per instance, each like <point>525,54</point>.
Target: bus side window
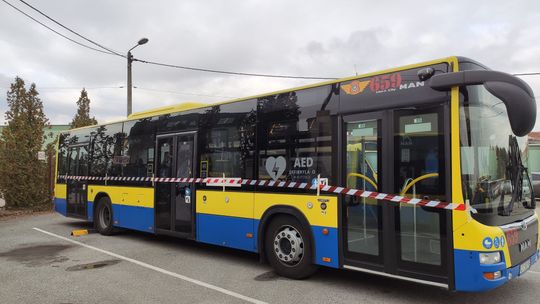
<point>228,140</point>
<point>63,154</point>
<point>295,135</point>
<point>138,147</point>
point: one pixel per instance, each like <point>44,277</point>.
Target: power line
<point>135,87</point>
<point>112,52</point>
<point>79,88</point>
<point>44,25</point>
<point>229,72</point>
<point>182,93</point>
<point>264,75</point>
<point>72,31</point>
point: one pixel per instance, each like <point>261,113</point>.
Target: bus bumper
<point>469,273</point>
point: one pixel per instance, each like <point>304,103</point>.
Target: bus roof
<point>185,106</point>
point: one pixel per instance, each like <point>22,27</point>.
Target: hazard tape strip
<point>216,181</point>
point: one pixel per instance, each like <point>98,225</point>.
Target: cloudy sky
<point>306,38</point>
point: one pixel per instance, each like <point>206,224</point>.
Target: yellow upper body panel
<point>254,205</point>
<point>131,196</point>
<point>60,191</point>
<point>309,205</point>
<point>225,203</point>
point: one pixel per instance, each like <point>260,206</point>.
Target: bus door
<point>175,202</point>
<point>397,152</point>
<point>77,190</point>
<point>420,166</point>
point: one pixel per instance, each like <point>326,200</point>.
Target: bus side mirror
<point>515,93</point>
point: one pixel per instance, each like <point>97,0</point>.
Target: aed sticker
<point>487,243</point>
<point>496,242</point>
<point>502,241</point>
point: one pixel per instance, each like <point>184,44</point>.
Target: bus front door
<point>399,152</point>
<point>175,201</point>
<point>77,189</point>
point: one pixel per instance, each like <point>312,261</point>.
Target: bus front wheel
<point>288,248</point>
<point>103,219</point>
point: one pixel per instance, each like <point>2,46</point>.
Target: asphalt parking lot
<point>47,265</point>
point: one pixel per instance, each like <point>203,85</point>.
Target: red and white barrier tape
<point>216,181</point>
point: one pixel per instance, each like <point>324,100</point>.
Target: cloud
<point>331,39</point>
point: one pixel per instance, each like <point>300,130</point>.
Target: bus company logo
<point>355,87</point>
<point>525,245</point>
<point>275,166</point>
<point>380,84</point>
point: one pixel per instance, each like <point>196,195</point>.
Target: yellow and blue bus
<point>414,173</point>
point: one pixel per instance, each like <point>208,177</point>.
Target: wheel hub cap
<point>289,245</point>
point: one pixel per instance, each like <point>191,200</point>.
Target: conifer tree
<point>23,176</point>
<point>82,118</point>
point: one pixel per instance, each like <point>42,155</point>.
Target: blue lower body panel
<point>60,206</point>
<point>227,231</point>
<point>133,217</point>
<point>469,273</point>
<point>90,211</point>
<point>326,246</point>
<point>233,232</point>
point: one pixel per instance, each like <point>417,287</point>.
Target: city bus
<point>415,173</point>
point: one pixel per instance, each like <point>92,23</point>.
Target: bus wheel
<point>104,217</point>
<point>288,248</point>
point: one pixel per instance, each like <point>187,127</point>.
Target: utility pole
<point>129,84</point>
<point>129,81</point>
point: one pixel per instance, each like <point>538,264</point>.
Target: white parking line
<point>532,271</point>
<point>172,274</point>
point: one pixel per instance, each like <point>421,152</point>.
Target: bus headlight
<point>490,257</point>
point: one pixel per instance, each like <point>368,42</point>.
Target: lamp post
<point>129,84</point>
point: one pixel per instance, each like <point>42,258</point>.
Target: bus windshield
<point>492,160</point>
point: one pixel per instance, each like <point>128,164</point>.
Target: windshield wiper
<point>514,172</point>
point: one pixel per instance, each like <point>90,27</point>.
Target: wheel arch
<point>272,213</point>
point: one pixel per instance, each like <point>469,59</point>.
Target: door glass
<point>72,196</point>
<point>81,185</point>
<point>363,214</point>
<point>419,173</point>
<point>185,157</point>
<point>83,161</point>
<point>73,156</point>
<point>163,190</point>
<point>184,168</point>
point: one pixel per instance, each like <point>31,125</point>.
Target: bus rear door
<point>77,189</point>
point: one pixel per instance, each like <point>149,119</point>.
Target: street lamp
<point>129,85</point>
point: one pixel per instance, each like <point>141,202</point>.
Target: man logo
<point>355,87</point>
<point>275,166</point>
<point>525,245</point>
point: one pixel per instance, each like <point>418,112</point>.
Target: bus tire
<point>288,247</point>
<point>104,217</point>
